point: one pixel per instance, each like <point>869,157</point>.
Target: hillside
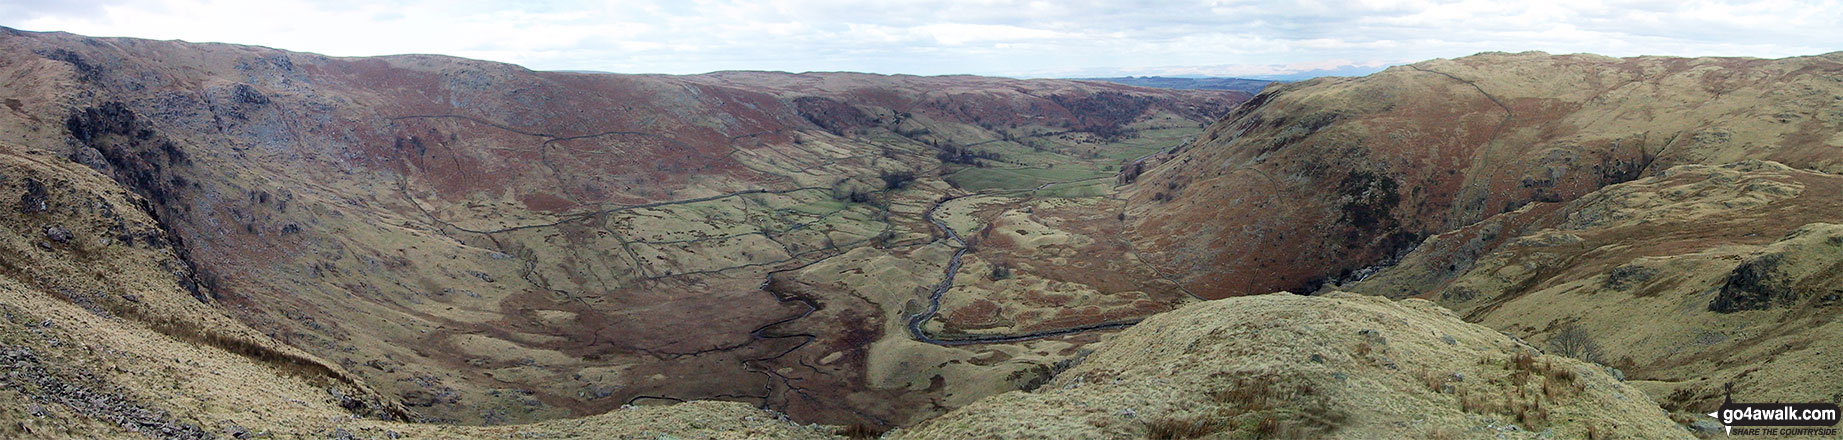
<point>211,240</point>
<point>1673,218</point>
<point>1317,180</point>
<point>104,328</point>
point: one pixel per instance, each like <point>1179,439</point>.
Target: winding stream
<point>953,268</point>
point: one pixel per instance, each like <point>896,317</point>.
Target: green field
<point>1030,162</point>
<point>1087,188</point>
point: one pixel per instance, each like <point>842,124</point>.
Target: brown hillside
<point>1316,180</point>
<point>1689,280</point>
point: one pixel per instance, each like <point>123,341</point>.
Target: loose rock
<point>57,234</point>
<point>35,200</point>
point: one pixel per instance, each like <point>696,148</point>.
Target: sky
<point>1025,38</point>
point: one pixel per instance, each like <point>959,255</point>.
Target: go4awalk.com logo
<point>1819,419</point>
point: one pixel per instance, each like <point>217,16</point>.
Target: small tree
<point>895,180</point>
<point>1574,342</point>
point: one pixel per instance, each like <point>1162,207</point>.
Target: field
<point>1031,162</point>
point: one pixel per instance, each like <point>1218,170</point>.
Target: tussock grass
<point>859,431</point>
<point>1175,428</point>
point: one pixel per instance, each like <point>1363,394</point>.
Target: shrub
<point>1000,272</point>
<point>859,431</point>
<point>895,180</point>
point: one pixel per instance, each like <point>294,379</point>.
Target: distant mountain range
<point>1189,83</point>
<point>1247,83</point>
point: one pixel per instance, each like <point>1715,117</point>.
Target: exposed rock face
<point>1804,266</point>
<point>103,338</point>
<point>1315,181</point>
<point>1335,366</point>
<point>1754,285</point>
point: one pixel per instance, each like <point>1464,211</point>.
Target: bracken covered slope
<point>1318,180</point>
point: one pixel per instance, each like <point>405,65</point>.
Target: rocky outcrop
<point>1695,278</point>
<point>104,332</point>
<point>1806,265</point>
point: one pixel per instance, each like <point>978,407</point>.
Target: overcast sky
<point>1059,38</point>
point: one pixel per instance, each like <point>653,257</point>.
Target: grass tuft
<point>1173,428</point>
<point>859,431</point>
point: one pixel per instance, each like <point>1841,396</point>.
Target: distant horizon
<point>939,75</point>
<point>1290,75</point>
<point>1005,38</point>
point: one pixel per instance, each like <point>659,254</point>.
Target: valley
<point>493,245</point>
<point>213,239</point>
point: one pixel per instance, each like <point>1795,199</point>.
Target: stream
<point>953,268</point>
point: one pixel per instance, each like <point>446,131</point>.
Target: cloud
<point>31,9</point>
<point>1002,37</point>
<point>957,34</point>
